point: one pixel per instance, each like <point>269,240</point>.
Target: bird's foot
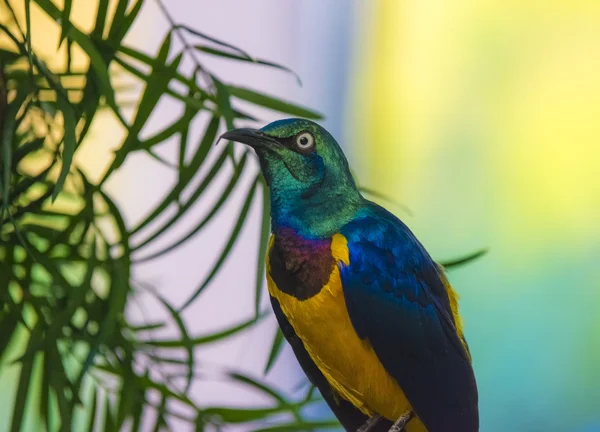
<point>398,426</point>
<point>369,424</point>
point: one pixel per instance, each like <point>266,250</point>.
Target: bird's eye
<point>305,141</point>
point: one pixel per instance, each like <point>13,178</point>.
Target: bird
<point>370,316</point>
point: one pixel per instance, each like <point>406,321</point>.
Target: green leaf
<point>188,113</point>
<point>170,130</point>
<point>243,415</point>
<point>26,149</point>
<point>193,102</point>
<point>219,53</point>
<point>118,17</point>
<point>12,316</point>
<point>185,339</point>
<point>28,35</point>
<point>8,132</point>
<point>160,419</point>
<point>94,405</point>
<point>186,176</point>
<point>127,397</point>
<point>122,21</point>
<point>203,340</point>
<point>146,327</point>
<point>100,19</point>
<point>223,102</point>
<point>84,41</point>
<point>157,84</point>
<point>76,298</point>
<point>9,322</point>
<point>119,276</point>
<point>146,383</point>
<point>464,260</point>
<point>9,57</point>
<point>302,426</point>
<point>233,181</point>
<point>138,410</point>
<point>59,382</point>
<point>276,347</point>
<point>66,16</point>
<point>273,103</point>
<point>128,21</point>
<point>24,379</point>
<point>109,420</point>
<point>227,249</point>
<point>243,379</point>
<point>45,392</point>
<point>24,185</point>
<point>213,40</point>
<point>265,231</point>
<point>69,142</point>
<point>385,197</point>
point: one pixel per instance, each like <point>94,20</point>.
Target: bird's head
<point>310,182</point>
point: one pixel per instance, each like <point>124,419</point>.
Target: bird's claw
<point>398,426</point>
<point>370,423</point>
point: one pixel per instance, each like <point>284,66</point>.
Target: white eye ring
<point>305,141</point>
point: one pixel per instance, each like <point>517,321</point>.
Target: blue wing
<point>397,300</point>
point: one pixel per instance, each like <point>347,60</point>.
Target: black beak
<point>251,137</point>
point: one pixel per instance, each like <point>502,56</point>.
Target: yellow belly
<point>348,363</point>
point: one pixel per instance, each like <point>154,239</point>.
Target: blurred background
<point>480,117</point>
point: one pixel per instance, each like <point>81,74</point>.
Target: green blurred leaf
<point>109,419</point>
<point>8,132</point>
<point>28,36</point>
<point>185,339</point>
<point>276,347</point>
<point>26,149</point>
<point>232,56</point>
<point>24,380</point>
<point>68,144</point>
<point>203,340</point>
<point>138,410</point>
<point>273,103</point>
<point>146,327</point>
<point>86,44</point>
<point>66,16</point>
<point>119,276</point>
<point>94,407</point>
<point>169,131</point>
<point>160,413</point>
<point>186,176</point>
<point>100,18</point>
<point>45,392</point>
<point>224,195</point>
<point>263,388</point>
<point>301,426</point>
<point>60,383</point>
<point>385,197</point>
<point>121,26</point>
<point>118,17</point>
<point>157,84</point>
<point>10,319</point>
<point>243,415</point>
<point>127,395</point>
<point>214,40</point>
<point>265,232</point>
<point>10,316</point>
<point>227,249</point>
<point>223,101</point>
<point>464,260</point>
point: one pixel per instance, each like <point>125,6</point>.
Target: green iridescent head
<point>312,190</point>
